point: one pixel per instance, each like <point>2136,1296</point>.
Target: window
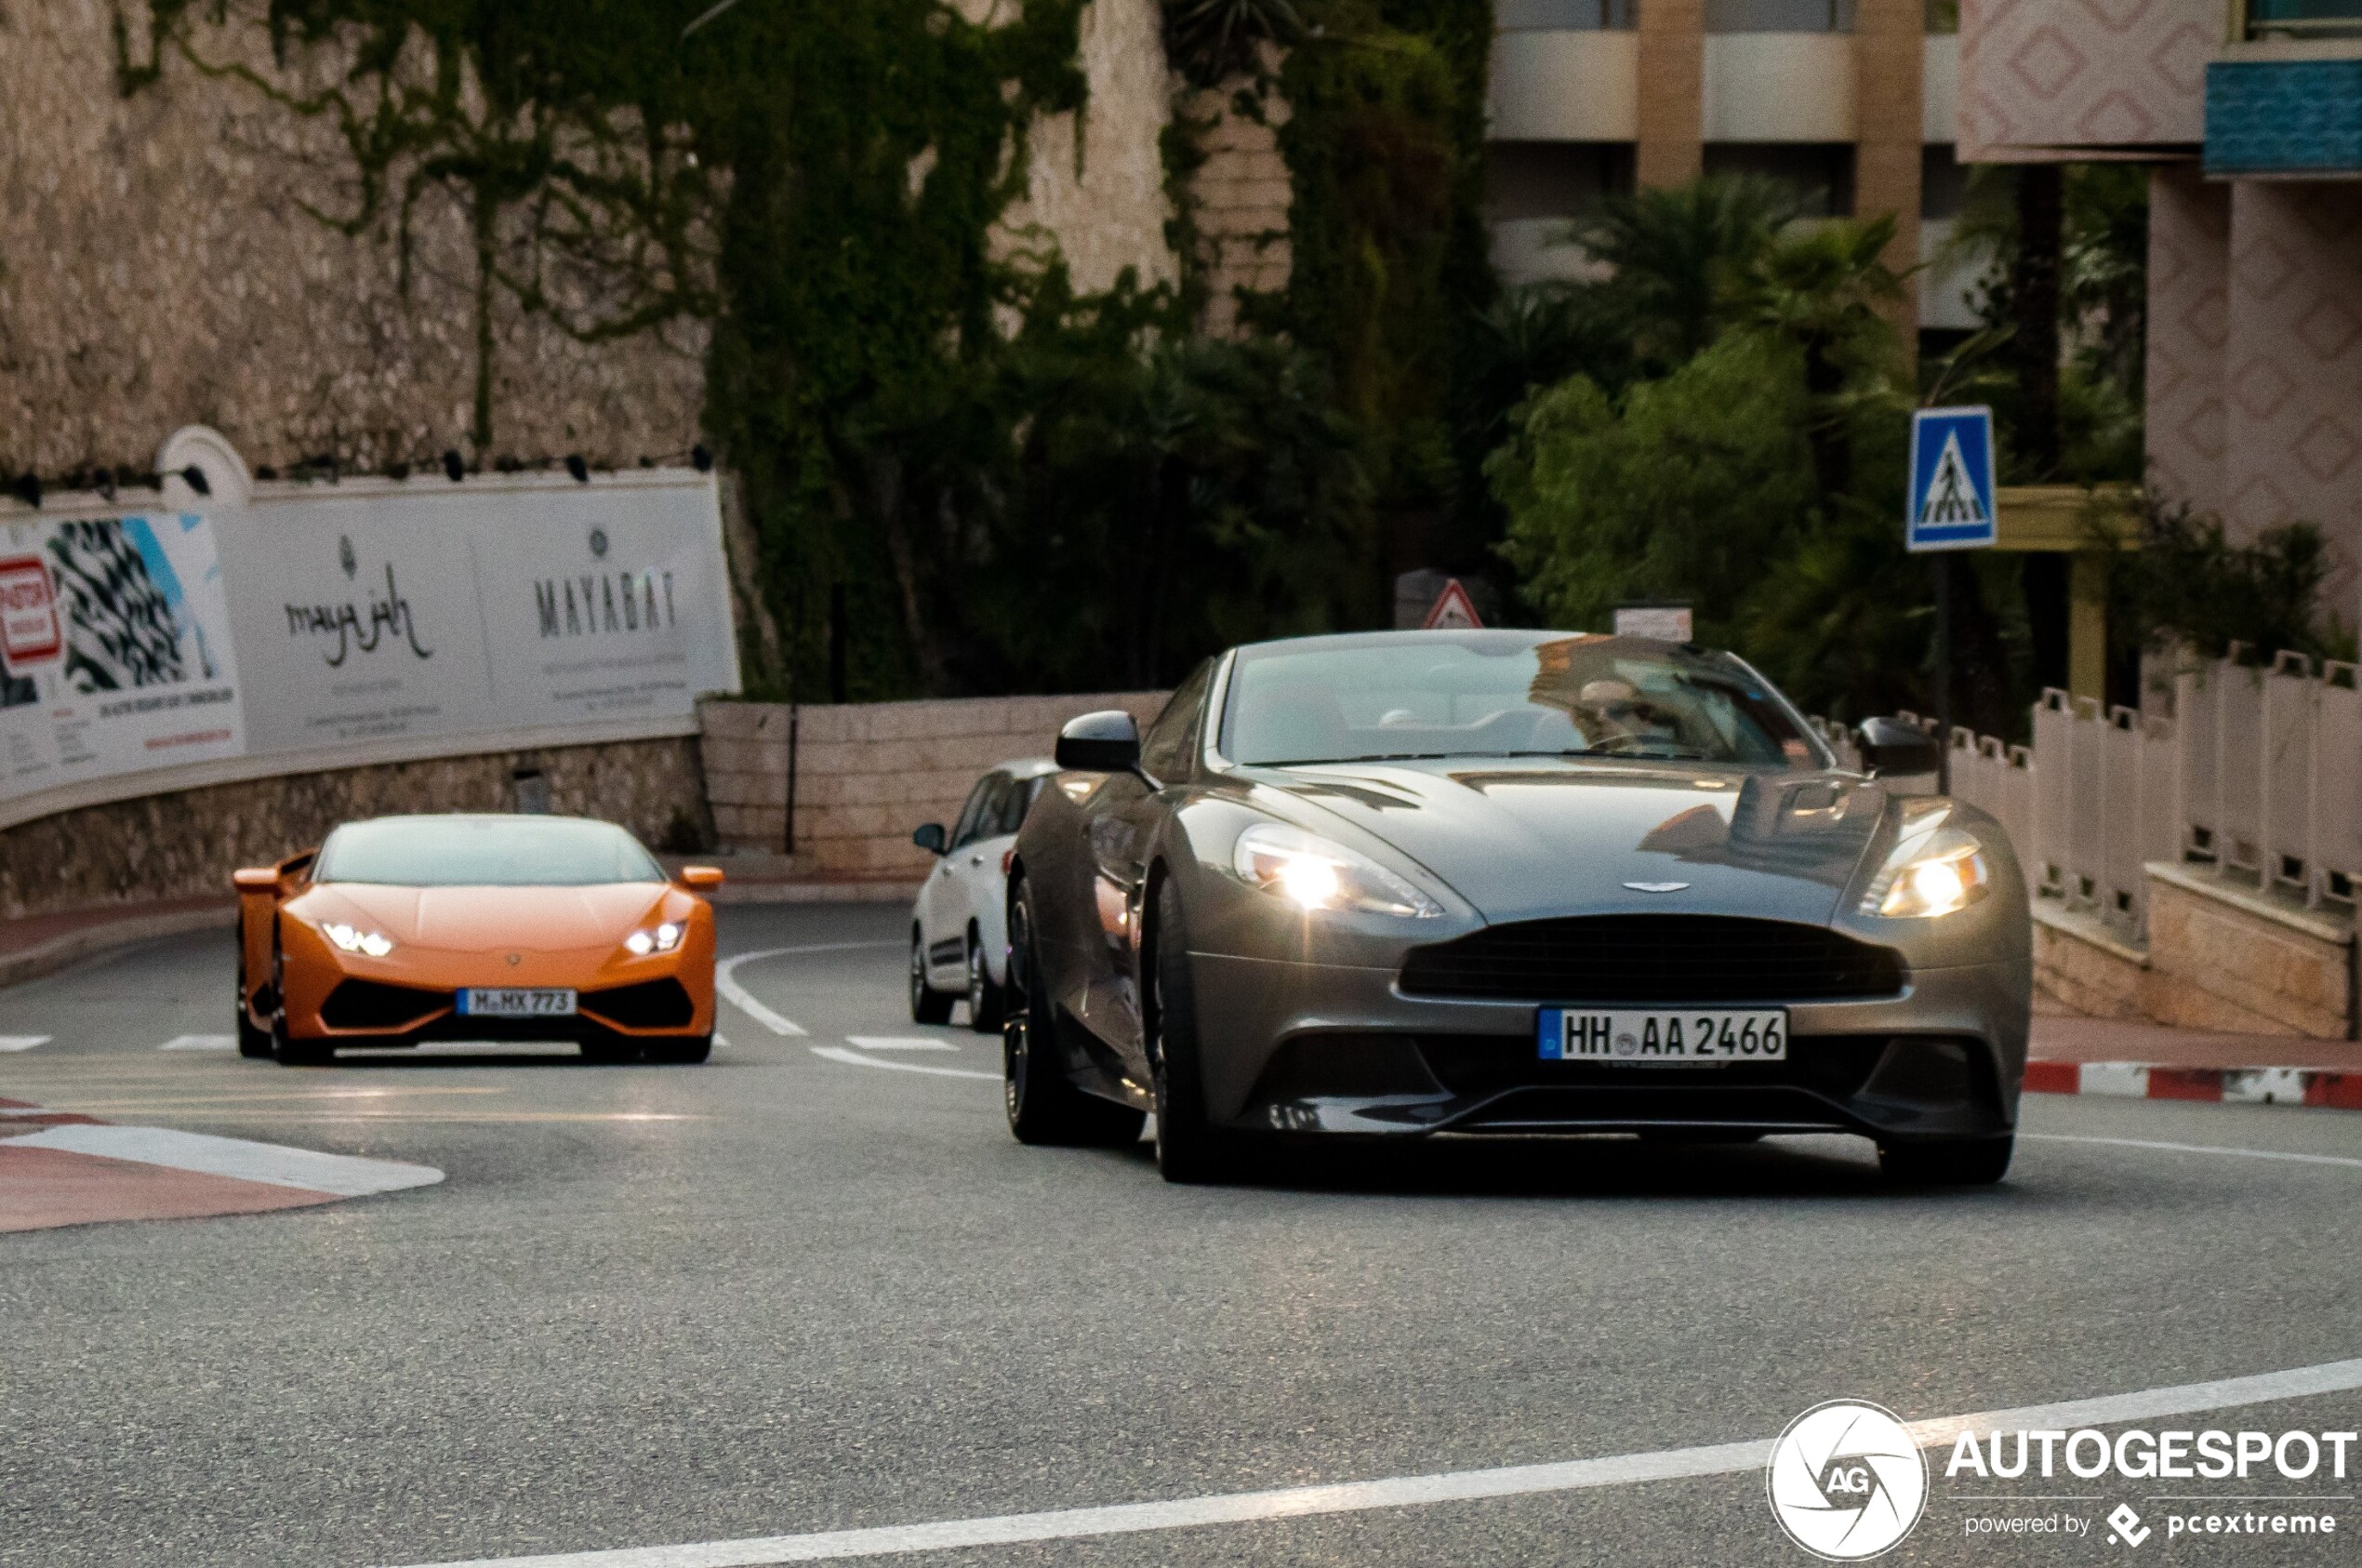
<point>1529,180</point>
<point>1507,693</point>
<point>977,810</point>
<point>1818,177</point>
<point>1166,751</point>
<point>484,852</point>
<point>1779,16</point>
<point>1944,16</point>
<point>2304,19</point>
<point>1944,182</point>
<point>1565,16</point>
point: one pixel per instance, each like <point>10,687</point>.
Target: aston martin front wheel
<point>1189,1147</point>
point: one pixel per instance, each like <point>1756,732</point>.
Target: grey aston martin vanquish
<point>1401,883</point>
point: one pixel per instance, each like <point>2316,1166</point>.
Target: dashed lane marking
<point>853,1059</point>
<point>1397,1492</point>
<point>200,1043</point>
<point>22,1042</point>
<point>898,1042</point>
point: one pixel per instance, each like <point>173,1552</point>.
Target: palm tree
<point>1671,253</point>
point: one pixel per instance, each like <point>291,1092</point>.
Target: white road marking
<point>270,1163</point>
<point>2199,1149</point>
<point>465,1048</point>
<point>726,980</point>
<point>839,1054</point>
<point>897,1043</point>
<point>22,1042</point>
<point>200,1043</point>
<point>1450,1486</point>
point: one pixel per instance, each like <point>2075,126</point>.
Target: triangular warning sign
<point>1951,496</point>
<point>1452,610</point>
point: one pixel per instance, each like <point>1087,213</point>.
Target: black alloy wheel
<point>927,1004</point>
<point>253,1041</point>
<point>1189,1147</point>
<point>984,997</point>
<point>290,1052</point>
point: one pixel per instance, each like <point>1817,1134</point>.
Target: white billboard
<point>330,626</point>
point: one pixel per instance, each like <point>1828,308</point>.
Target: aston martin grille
<point>1653,958</point>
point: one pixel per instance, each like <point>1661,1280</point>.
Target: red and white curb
<point>2319,1087</point>
<point>76,1171</point>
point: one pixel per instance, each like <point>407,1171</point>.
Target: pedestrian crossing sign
<point>1951,501</point>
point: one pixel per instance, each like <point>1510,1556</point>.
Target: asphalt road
<point>790,1291</point>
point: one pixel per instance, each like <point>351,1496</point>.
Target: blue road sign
<point>1951,504</point>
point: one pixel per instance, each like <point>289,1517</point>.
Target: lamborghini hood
<point>481,919</point>
<point>1524,839</point>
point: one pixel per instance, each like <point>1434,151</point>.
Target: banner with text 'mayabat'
<point>142,651</point>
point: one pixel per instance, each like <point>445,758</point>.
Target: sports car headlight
<point>1313,874</point>
<point>1930,874</point>
<point>352,938</point>
<point>660,939</point>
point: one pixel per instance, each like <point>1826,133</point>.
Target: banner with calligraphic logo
<point>333,626</point>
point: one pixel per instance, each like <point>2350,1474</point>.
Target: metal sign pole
<point>1943,672</point>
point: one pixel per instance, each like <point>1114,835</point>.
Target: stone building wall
<point>157,270</point>
<point>175,846</point>
<point>866,774</point>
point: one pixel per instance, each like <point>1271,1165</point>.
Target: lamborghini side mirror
<point>255,879</point>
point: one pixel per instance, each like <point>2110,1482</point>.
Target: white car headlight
<point>661,938</point>
<point>352,938</point>
<point>1933,870</point>
<point>1314,873</point>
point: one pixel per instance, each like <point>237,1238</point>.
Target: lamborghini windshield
<point>1505,694</point>
<point>484,852</point>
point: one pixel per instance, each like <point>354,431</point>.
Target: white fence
<point>2258,771</point>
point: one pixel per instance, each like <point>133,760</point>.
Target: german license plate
<point>1640,1037</point>
<point>516,1001</point>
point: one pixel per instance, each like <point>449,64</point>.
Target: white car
<point>959,935</point>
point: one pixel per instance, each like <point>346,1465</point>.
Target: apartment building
<point>1850,103</point>
<point>2250,114</point>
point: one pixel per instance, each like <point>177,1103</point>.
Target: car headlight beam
<point>662,937</point>
<point>1315,873</point>
<point>352,938</point>
<point>1937,869</point>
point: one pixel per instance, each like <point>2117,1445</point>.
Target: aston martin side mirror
<point>1102,742</point>
<point>255,879</point>
<point>930,838</point>
<point>1893,749</point>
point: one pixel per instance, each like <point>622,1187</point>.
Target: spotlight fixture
<point>453,468</point>
<point>266,471</point>
<point>397,471</point>
<point>28,489</point>
<point>702,458</point>
<point>577,467</point>
<point>195,478</point>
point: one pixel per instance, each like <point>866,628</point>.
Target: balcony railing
<point>1566,16</point>
<point>2299,19</point>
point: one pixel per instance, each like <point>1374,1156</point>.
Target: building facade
<point>2250,113</point>
<point>1850,103</point>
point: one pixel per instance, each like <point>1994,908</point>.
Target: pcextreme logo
<point>1846,1481</point>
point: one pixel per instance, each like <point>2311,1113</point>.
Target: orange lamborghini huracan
<point>409,928</point>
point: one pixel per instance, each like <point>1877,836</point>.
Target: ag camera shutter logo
<point>1846,1482</point>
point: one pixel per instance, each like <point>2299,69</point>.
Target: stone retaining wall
<point>185,843</point>
<point>866,774</point>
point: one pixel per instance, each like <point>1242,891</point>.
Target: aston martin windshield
<point>484,852</point>
<point>1495,694</point>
